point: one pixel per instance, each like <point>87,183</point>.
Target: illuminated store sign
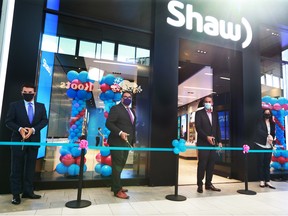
<point>208,24</point>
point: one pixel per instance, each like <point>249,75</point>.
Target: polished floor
<point>146,200</point>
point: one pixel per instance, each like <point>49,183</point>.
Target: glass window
<point>107,50</point>
<point>49,43</point>
<point>98,51</point>
<point>126,54</point>
<point>87,49</point>
<point>67,46</point>
<point>143,56</point>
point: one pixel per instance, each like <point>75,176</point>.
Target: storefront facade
<point>148,41</point>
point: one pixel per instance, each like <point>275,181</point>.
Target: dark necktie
<point>130,115</point>
<point>30,112</point>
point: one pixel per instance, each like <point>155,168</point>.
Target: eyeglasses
<point>127,97</point>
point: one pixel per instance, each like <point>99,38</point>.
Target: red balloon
<point>68,159</point>
<point>281,160</point>
<point>98,157</point>
<point>104,87</point>
<point>285,106</point>
<point>106,114</point>
<point>274,159</point>
<point>78,160</point>
<point>106,160</point>
<point>276,106</point>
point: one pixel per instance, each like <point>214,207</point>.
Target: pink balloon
<point>106,114</point>
<point>285,106</point>
<point>78,160</point>
<point>106,160</point>
<point>277,106</point>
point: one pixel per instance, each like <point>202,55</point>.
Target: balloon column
<point>79,89</point>
<point>279,109</point>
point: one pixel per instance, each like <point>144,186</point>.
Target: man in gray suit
<point>208,135</point>
<point>121,122</point>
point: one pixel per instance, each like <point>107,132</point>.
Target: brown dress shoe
<point>212,188</point>
<point>122,195</point>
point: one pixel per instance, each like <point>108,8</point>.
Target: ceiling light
<point>115,63</point>
<point>199,88</point>
<point>209,74</point>
<point>225,78</point>
<point>201,51</point>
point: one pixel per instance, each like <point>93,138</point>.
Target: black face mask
<point>28,97</point>
<point>267,116</point>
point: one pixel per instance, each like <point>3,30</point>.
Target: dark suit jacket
<point>17,117</point>
<point>119,120</point>
<point>261,131</point>
<point>204,127</point>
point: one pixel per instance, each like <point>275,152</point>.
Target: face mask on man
<point>207,106</point>
<point>27,97</point>
<point>127,101</point>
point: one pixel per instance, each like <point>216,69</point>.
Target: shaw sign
<point>208,24</point>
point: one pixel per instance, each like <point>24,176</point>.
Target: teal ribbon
<point>137,148</point>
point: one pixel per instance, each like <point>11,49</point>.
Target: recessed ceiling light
<point>225,78</point>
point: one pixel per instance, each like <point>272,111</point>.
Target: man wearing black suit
<point>208,135</point>
<point>25,118</point>
<point>121,123</point>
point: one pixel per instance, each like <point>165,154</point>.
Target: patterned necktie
<point>130,115</point>
<point>30,112</point>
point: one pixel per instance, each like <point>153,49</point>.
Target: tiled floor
<point>146,200</point>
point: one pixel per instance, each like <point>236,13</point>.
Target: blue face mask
<point>127,101</point>
<point>207,106</point>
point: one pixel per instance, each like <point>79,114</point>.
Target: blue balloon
<point>109,79</point>
<point>277,153</point>
<point>102,96</point>
<point>117,96</point>
<point>81,94</point>
<point>276,165</point>
<point>109,94</point>
<point>71,93</point>
<point>71,75</point>
<point>88,96</point>
<point>273,101</point>
<point>285,166</point>
<point>83,75</point>
<point>105,152</point>
<point>106,170</point>
<point>98,168</point>
<point>182,148</point>
<point>64,150</point>
<point>73,170</point>
<point>75,152</point>
<point>84,168</point>
<point>61,168</point>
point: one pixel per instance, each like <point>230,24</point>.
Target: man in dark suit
<point>121,122</point>
<point>25,118</point>
<point>208,135</point>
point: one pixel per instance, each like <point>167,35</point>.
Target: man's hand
<point>124,136</point>
<point>220,145</point>
<point>23,132</point>
<point>211,140</point>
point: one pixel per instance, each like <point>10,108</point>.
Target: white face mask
<point>207,106</point>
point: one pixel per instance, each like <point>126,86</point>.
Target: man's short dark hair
<point>28,85</point>
<point>129,92</point>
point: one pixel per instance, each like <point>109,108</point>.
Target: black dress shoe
<point>200,189</point>
<point>31,196</point>
<point>211,187</point>
<point>269,185</point>
<point>16,200</point>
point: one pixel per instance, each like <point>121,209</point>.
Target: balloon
<point>81,94</point>
<point>73,170</point>
<point>64,150</point>
<point>281,160</point>
<point>106,114</point>
<point>285,166</point>
<point>109,79</point>
<point>78,160</point>
<point>98,168</point>
<point>117,96</point>
<point>109,94</point>
<point>75,151</point>
<point>106,160</point>
<point>285,106</point>
<point>106,170</point>
<point>61,168</point>
<point>104,87</point>
<point>98,157</point>
<point>102,96</point>
<point>273,101</point>
<point>83,76</point>
<point>67,160</point>
<point>276,106</point>
<point>88,96</point>
<point>276,165</point>
<point>176,150</point>
<point>105,152</point>
<point>71,75</point>
<point>71,93</point>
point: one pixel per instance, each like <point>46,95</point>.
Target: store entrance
<point>203,70</point>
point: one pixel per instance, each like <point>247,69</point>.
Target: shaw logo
<point>209,24</point>
<point>46,66</point>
